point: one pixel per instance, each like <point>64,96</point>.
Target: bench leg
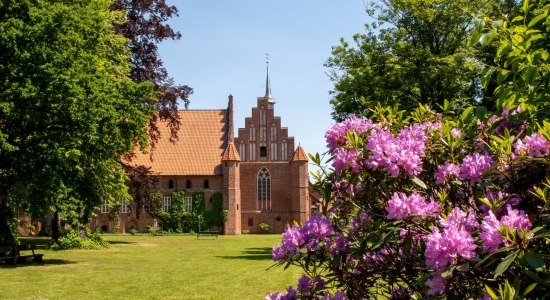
<point>37,258</point>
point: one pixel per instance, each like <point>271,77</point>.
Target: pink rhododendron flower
<point>534,145</point>
<point>456,133</point>
<point>446,171</point>
<point>401,206</point>
<point>473,167</point>
<point>436,284</point>
<point>404,152</point>
<point>336,135</point>
<point>490,234</point>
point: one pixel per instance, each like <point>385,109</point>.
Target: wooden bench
<point>208,233</point>
<point>13,256</point>
<point>36,257</point>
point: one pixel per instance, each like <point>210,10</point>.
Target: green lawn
<point>153,267</point>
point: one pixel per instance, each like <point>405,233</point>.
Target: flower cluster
<point>336,135</point>
<point>401,206</point>
<point>473,166</point>
<point>491,228</point>
<point>448,247</point>
<point>316,231</point>
<point>446,171</point>
<point>534,145</point>
<point>405,151</point>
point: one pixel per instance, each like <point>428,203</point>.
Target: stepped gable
<point>299,155</point>
<point>198,149</point>
<point>231,154</point>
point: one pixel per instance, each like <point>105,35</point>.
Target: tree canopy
<point>69,107</point>
<point>414,52</point>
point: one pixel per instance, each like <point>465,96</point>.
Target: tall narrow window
<point>167,204</point>
<point>264,189</point>
<point>273,136</point>
<point>124,207</point>
<point>252,133</point>
<point>263,151</point>
<point>273,151</point>
<point>284,150</point>
<point>252,151</point>
<point>188,184</point>
<point>262,133</point>
<point>206,184</point>
<point>171,184</point>
<point>105,207</point>
<point>242,151</point>
<point>188,203</point>
<point>262,116</point>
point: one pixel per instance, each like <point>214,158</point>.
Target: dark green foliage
<point>8,225</point>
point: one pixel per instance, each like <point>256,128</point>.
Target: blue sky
<point>222,52</point>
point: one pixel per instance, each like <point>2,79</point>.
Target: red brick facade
<point>262,177</point>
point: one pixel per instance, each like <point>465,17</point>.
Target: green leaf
<point>525,6</point>
<point>491,293</point>
<point>505,264</point>
<point>466,113</point>
<point>419,182</point>
<point>535,261</point>
<point>536,19</point>
<point>528,289</point>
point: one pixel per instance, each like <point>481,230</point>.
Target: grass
<point>153,267</point>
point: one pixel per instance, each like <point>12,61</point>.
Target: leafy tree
<point>521,67</point>
<point>69,108</point>
<point>145,28</point>
<point>415,52</point>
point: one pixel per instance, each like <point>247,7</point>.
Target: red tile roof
<point>231,153</point>
<point>299,155</point>
<point>198,149</point>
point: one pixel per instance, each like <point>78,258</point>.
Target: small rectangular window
<point>105,207</point>
<point>188,184</point>
<point>188,203</point>
<point>124,207</point>
<point>167,205</point>
<point>250,222</point>
<point>206,184</point>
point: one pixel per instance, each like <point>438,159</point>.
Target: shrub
<point>264,227</point>
<point>428,205</point>
<point>80,239</point>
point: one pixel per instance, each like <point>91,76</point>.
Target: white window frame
<point>124,207</point>
<point>105,207</point>
<point>188,203</point>
<point>167,204</point>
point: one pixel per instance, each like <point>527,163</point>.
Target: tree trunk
<point>55,228</point>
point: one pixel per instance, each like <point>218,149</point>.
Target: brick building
<point>263,178</point>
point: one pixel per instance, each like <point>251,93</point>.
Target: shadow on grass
<point>45,263</point>
<point>121,243</point>
<point>252,254</point>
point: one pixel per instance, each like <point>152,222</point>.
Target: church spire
<point>267,84</point>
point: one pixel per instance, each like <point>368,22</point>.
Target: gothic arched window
<point>264,189</point>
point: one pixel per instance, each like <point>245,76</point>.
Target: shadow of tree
<point>252,254</point>
<point>44,263</point>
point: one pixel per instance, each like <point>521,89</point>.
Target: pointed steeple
<point>267,83</point>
